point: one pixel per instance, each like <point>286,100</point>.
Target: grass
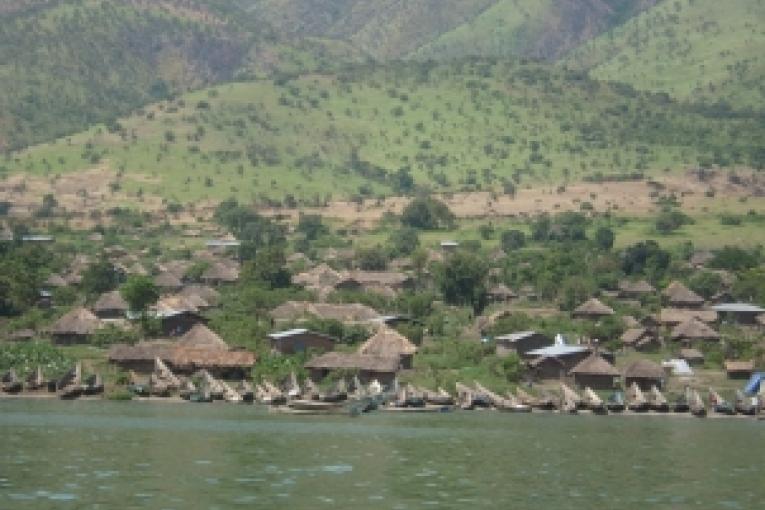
<point>700,49</point>
<point>454,127</point>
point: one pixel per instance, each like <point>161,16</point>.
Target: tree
<point>139,292</point>
<point>253,231</point>
<point>575,290</point>
<point>372,258</point>
<point>462,280</point>
<point>705,283</point>
<point>268,269</point>
<point>99,277</point>
<point>427,213</point>
<point>513,240</point>
<point>734,258</point>
<point>311,226</point>
<point>670,220</point>
<point>404,241</point>
<point>604,238</point>
<point>645,257</point>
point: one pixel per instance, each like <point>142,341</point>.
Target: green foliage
<point>734,258</point>
<point>750,286</point>
<point>705,283</point>
<point>403,241</point>
<point>575,291</point>
<point>311,226</point>
<point>26,357</point>
<point>99,277</point>
<point>139,292</point>
<point>566,226</point>
<point>268,269</point>
<point>251,229</point>
<point>372,258</point>
<point>462,280</point>
<point>604,238</point>
<point>512,240</point>
<point>112,334</point>
<point>670,220</point>
<point>21,274</point>
<point>646,258</point>
<point>277,368</point>
<point>427,213</point>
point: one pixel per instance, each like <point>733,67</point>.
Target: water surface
<point>124,455</point>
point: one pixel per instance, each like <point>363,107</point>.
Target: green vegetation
<point>700,50</point>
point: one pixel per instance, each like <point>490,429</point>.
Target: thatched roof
<point>739,366</point>
<point>170,305</point>
<point>694,329</point>
<point>200,336</point>
<point>79,321</point>
<point>674,316</point>
<point>111,301</point>
<point>630,321</point>
<point>56,280</point>
<point>189,358</point>
<point>387,342</point>
<point>502,291</point>
<point>594,364</point>
<point>210,295</point>
<point>378,278</point>
<point>633,335</point>
<point>142,351</point>
<point>319,276</point>
<point>167,280</point>
<point>690,354</point>
<point>644,369</point>
<point>221,272</point>
<point>177,267</point>
<point>347,361</point>
<point>639,287</point>
<point>346,313</point>
<point>593,308</point>
<point>679,295</point>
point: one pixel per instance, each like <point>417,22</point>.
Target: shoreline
<point>177,400</point>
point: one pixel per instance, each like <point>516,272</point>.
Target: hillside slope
<point>692,49</point>
<point>443,29</point>
<point>365,132</point>
<point>85,61</point>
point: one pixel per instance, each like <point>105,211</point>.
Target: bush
<point>512,240</point>
<point>427,213</point>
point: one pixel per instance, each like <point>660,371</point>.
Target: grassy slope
<point>464,126</point>
<point>89,60</point>
<point>692,49</point>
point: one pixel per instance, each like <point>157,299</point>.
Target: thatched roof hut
<point>677,294</point>
<point>635,289</point>
<point>75,326</point>
<point>501,293</point>
<point>389,343</point>
<point>175,304</point>
<point>592,309</point>
<point>368,367</point>
<point>210,295</point>
<point>644,373</point>
<point>345,313</point>
<point>675,316</point>
<point>220,272</point>
<point>110,305</point>
<point>319,276</point>
<point>200,336</point>
<point>691,356</point>
<point>638,338</point>
<point>595,372</point>
<point>168,281</point>
<point>694,330</point>
<point>55,280</point>
<point>739,369</point>
<point>217,361</point>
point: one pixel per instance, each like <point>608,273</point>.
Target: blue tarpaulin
<point>753,386</point>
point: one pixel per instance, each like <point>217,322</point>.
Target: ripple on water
<point>337,469</point>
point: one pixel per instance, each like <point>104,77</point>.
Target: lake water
<point>123,455</point>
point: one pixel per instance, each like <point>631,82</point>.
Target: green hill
<point>442,29</point>
<point>465,126</point>
<point>67,64</point>
<point>693,49</point>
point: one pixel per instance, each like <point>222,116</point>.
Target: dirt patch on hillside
<point>635,198</point>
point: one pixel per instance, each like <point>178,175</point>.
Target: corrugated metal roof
<point>557,350</point>
<point>738,307</point>
<point>288,333</point>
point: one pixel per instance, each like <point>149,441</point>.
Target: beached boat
<point>229,394</point>
<point>719,404</point>
<point>656,401</point>
<point>696,404</point>
<point>746,405</point>
<point>636,401</point>
<point>246,391</point>
<point>136,387</point>
<point>94,385</point>
<point>571,402</point>
<point>36,380</point>
<point>681,404</point>
<point>440,397</point>
<point>10,382</point>
<point>293,388</point>
<point>514,405</point>
<point>593,402</point>
<point>187,389</point>
<point>71,384</point>
<point>201,396</point>
<point>501,403</point>
<point>615,402</point>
